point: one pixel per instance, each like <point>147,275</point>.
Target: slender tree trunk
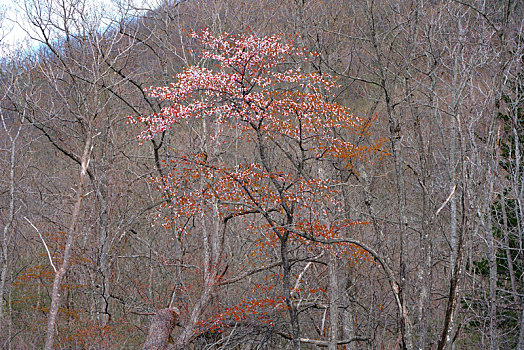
<point>424,267</point>
<point>520,222</point>
<point>344,276</point>
<point>5,232</point>
<point>208,285</point>
<point>211,244</point>
<point>10,218</point>
<point>348,331</point>
<point>333,302</point>
<point>62,271</point>
<point>446,338</point>
<point>10,320</point>
<point>507,250</point>
<point>518,186</point>
<point>286,291</point>
<point>196,312</point>
<point>450,323</point>
<point>492,261</point>
<point>104,248</point>
<point>395,135</point>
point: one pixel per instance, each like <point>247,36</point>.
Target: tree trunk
<point>161,327</point>
<point>60,274</point>
<point>492,259</point>
<point>286,291</point>
<point>333,302</point>
<point>11,216</point>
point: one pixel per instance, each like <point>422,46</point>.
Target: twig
<point>446,201</point>
<point>45,245</point>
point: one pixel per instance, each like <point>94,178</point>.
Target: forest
<point>231,174</point>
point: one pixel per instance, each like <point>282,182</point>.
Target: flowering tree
<point>264,135</point>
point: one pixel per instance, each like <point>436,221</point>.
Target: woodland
<point>229,174</point>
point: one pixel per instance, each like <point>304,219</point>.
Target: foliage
<point>267,135</point>
<point>254,95</point>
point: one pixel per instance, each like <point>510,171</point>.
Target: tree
<point>265,134</point>
<point>503,267</point>
<point>445,209</point>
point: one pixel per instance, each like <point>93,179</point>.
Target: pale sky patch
<point>16,31</point>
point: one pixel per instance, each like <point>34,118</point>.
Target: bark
<point>209,284</point>
<point>395,136</point>
<point>520,343</point>
<point>492,259</point>
<point>5,238</point>
<point>286,291</point>
<point>348,331</point>
<point>161,327</point>
<point>333,302</point>
<point>71,234</point>
<point>344,277</point>
<point>424,267</point>
<point>518,186</point>
<point>212,235</point>
<point>104,248</point>
<point>449,326</point>
<point>449,319</point>
<point>507,250</point>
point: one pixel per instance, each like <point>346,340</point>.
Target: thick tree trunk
<point>161,327</point>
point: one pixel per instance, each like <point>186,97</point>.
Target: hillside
<point>264,175</point>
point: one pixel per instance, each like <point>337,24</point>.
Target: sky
<point>14,28</point>
<point>11,34</point>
